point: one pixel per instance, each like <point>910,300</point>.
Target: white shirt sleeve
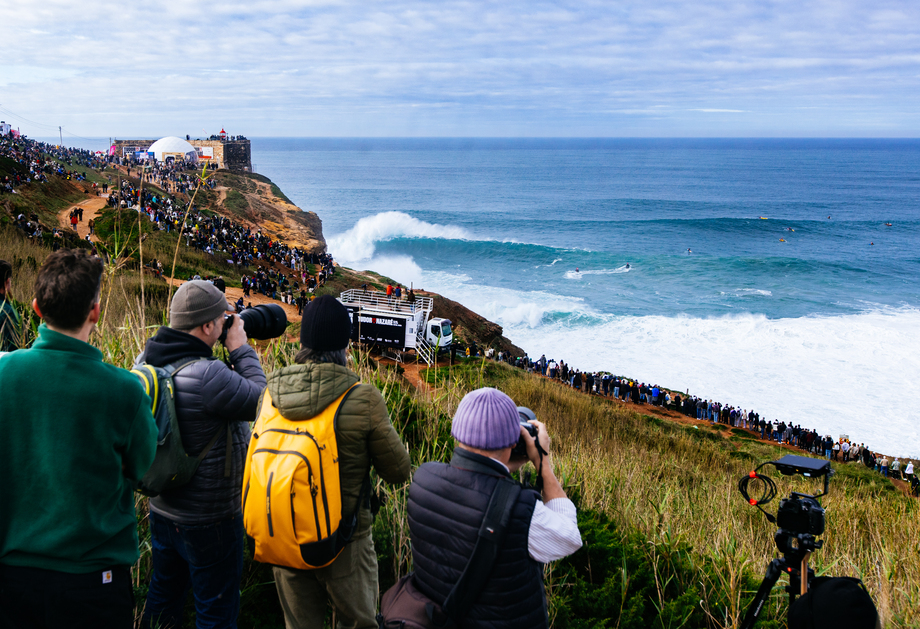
<point>553,530</point>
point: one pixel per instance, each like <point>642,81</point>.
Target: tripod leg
<point>766,586</point>
<point>803,575</point>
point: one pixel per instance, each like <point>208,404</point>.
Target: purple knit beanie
<point>486,419</point>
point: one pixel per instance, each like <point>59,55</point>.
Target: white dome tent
<point>173,148</point>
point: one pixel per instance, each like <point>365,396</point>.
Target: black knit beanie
<point>326,325</point>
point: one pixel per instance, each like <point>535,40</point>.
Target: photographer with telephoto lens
<point>197,528</point>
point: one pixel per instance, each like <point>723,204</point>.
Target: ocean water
<point>818,326</point>
<point>671,261</point>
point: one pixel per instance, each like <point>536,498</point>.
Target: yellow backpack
<point>292,499</point>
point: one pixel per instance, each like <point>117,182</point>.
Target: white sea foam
<point>748,292</point>
<point>577,275</point>
<point>358,244</point>
<point>852,374</point>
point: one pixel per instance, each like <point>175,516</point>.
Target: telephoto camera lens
<point>265,321</point>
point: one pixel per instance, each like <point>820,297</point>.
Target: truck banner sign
<point>389,331</point>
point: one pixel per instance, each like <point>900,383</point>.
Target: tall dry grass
<point>679,484</point>
<point>673,484</point>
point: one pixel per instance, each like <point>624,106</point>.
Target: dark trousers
<point>206,557</point>
<point>33,598</point>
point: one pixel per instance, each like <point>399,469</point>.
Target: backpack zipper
<point>309,469</point>
<point>322,476</point>
<point>268,502</point>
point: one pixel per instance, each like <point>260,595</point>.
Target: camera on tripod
<point>800,513</point>
<point>800,519</point>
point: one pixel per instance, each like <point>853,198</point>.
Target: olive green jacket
<point>364,432</point>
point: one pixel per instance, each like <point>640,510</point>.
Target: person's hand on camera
<point>236,335</point>
<point>551,487</point>
<point>533,454</point>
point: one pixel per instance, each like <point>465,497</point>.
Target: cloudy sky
<point>506,68</point>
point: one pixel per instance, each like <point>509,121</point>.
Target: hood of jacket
<point>301,392</point>
<point>169,346</point>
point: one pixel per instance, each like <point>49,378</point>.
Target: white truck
<point>397,323</point>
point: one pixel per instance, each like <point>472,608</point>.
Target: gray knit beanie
<point>196,303</point>
<point>486,419</point>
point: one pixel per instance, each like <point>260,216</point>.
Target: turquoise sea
<point>760,273</point>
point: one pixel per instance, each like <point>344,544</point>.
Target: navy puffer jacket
<point>209,395</point>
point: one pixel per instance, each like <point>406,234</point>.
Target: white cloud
<point>482,68</point>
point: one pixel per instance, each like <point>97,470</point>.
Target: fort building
<point>220,150</point>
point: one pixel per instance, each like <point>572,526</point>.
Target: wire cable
<point>15,115</point>
<point>768,490</point>
<point>80,136</point>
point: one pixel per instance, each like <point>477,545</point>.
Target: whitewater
<point>652,260</point>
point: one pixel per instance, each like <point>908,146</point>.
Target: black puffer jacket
<point>209,395</point>
<point>446,506</point>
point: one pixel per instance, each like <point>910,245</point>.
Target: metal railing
<point>375,300</point>
<point>425,350</point>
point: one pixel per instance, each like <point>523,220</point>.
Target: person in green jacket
<point>10,326</point>
<point>78,434</point>
<point>365,437</point>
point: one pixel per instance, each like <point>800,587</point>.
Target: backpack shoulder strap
<point>338,410</point>
<point>488,544</point>
<point>350,523</point>
<point>175,368</point>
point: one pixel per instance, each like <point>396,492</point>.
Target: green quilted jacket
<point>365,435</point>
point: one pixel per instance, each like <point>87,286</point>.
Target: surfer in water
<point>627,265</point>
<point>689,251</point>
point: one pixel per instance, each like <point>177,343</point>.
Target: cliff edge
<point>253,198</point>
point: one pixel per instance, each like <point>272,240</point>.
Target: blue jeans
<point>206,557</point>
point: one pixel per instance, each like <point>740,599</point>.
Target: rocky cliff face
<point>254,199</point>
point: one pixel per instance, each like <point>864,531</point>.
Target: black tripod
<point>796,549</point>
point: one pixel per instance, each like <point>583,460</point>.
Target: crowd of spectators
<point>283,273</point>
<point>629,390</point>
<point>36,161</point>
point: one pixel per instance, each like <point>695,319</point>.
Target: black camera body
<point>520,449</point>
<point>262,322</point>
<point>801,513</point>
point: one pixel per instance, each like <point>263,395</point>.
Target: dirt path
<point>91,207</point>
